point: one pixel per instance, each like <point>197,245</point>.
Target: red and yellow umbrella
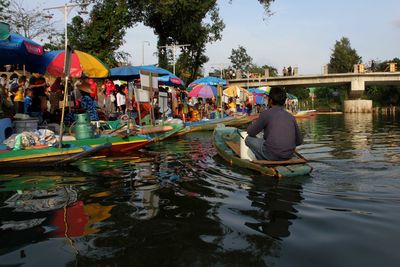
<point>81,64</point>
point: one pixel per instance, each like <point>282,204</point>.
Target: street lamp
<point>148,43</point>
<point>173,48</point>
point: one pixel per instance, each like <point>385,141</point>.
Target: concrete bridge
<point>356,81</point>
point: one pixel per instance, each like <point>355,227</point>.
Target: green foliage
<point>240,59</point>
<point>383,66</point>
<point>273,72</point>
<point>4,4</point>
<point>103,33</point>
<point>383,95</point>
<point>178,21</point>
<point>343,57</point>
<point>194,22</point>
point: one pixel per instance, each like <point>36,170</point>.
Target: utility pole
<point>143,42</point>
<point>221,68</point>
<point>65,9</point>
<point>173,47</point>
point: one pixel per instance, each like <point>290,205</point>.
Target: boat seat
<point>234,146</point>
<point>295,160</point>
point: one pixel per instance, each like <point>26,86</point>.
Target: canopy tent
<point>259,95</point>
<point>258,91</point>
<point>266,89</point>
<point>17,49</point>
<point>236,91</point>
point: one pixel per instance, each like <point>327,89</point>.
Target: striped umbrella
<point>81,64</point>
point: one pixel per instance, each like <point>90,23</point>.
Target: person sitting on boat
<point>281,132</point>
<point>195,114</point>
<point>231,107</point>
<point>87,103</point>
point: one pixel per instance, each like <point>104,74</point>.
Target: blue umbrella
<point>17,49</point>
<point>258,91</point>
<point>133,72</point>
<point>171,80</point>
<point>210,81</point>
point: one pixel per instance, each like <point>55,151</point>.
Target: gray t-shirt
<point>281,133</point>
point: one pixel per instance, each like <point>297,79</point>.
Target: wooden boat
<point>40,156</point>
<point>119,144</point>
<point>209,125</point>
<point>122,142</point>
<point>304,114</point>
<point>227,142</point>
<point>161,132</point>
<point>242,120</point>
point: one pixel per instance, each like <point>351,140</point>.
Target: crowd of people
<point>105,99</point>
<point>287,71</point>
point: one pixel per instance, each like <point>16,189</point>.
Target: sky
<point>300,33</point>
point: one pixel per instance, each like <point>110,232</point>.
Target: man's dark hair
<point>277,96</point>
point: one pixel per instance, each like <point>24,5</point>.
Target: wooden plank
<point>280,162</point>
<point>234,146</point>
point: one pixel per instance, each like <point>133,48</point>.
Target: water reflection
<point>177,203</point>
<point>274,205</point>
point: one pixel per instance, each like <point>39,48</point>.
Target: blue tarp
<point>171,80</point>
<point>17,49</point>
<point>133,72</point>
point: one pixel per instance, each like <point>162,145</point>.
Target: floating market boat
<point>124,142</point>
<point>119,144</point>
<point>209,125</point>
<point>304,114</point>
<point>227,142</point>
<point>43,155</point>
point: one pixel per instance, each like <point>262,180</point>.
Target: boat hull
<point>222,135</point>
<point>119,144</point>
<point>47,156</point>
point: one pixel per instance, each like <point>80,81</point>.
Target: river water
<point>178,204</point>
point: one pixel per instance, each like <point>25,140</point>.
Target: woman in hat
<point>87,103</point>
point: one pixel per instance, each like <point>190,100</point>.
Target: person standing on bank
<point>281,132</point>
<point>289,71</point>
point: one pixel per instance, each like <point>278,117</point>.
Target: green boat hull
<point>223,134</point>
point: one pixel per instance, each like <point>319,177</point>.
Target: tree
<point>240,59</point>
<point>191,22</point>
<point>3,8</point>
<point>273,72</point>
<point>178,21</point>
<point>103,33</point>
<point>383,66</point>
<point>343,57</point>
<point>32,24</point>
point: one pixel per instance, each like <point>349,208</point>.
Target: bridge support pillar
<point>357,88</point>
<point>358,106</point>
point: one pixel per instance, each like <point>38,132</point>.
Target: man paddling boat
<point>281,132</point>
